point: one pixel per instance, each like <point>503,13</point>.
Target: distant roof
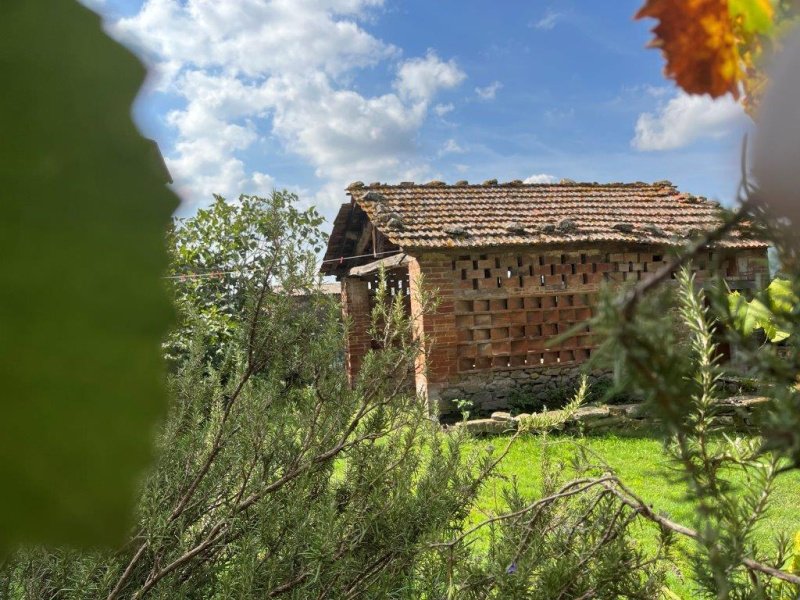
<point>440,216</point>
<point>333,288</point>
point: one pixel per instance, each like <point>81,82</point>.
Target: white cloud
<point>541,178</point>
<point>451,147</point>
<point>442,109</point>
<point>489,92</point>
<point>421,78</point>
<point>255,70</point>
<point>548,21</point>
<point>253,37</point>
<point>685,119</point>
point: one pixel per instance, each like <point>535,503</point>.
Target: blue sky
<point>309,95</point>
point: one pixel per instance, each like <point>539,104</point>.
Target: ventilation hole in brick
<point>583,259</point>
<point>630,266</point>
<point>656,258</point>
<point>573,268</point>
<point>499,282</point>
<point>541,261</point>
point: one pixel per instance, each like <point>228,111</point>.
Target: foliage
<point>276,478</point>
<point>547,420</point>
<point>718,47</point>
<point>637,455</point>
<point>602,391</point>
<point>794,567</point>
<point>574,541</point>
<point>83,308</point>
<point>221,252</point>
<point>764,312</point>
<point>698,41</point>
<point>464,408</point>
<point>681,381</point>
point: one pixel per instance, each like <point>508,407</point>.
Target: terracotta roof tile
<point>464,216</point>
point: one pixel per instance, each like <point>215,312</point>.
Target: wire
<point>341,259</point>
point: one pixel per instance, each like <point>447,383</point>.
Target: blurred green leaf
<point>756,15</point>
<point>82,306</point>
<point>747,316</point>
<point>758,314</point>
<point>782,299</point>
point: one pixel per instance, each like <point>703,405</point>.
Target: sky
<point>309,95</point>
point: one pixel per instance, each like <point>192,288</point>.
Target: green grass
<point>638,458</point>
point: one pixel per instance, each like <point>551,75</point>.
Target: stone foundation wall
<point>737,412</point>
<point>496,389</point>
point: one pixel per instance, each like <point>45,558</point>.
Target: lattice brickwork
<point>550,272</point>
<point>519,331</point>
<point>511,308</point>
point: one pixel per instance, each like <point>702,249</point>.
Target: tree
<point>221,252</point>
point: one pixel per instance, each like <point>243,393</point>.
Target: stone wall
<point>737,412</point>
<point>495,389</point>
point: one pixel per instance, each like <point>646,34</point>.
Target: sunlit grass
<point>639,459</point>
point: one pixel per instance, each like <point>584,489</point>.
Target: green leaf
<point>774,334</point>
<point>747,316</point>
<point>753,315</point>
<point>82,305</point>
<point>756,15</point>
<point>781,296</point>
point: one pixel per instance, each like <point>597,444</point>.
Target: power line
<point>340,260</point>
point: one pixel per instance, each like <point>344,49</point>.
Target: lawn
<point>638,458</point>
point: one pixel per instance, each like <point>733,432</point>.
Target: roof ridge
<point>515,183</point>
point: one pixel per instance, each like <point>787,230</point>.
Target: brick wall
<point>358,300</point>
<point>500,312</point>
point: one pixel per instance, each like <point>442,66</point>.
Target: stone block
<point>591,413</point>
<point>604,423</point>
<point>501,416</point>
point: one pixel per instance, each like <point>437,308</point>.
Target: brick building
<point>515,266</point>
